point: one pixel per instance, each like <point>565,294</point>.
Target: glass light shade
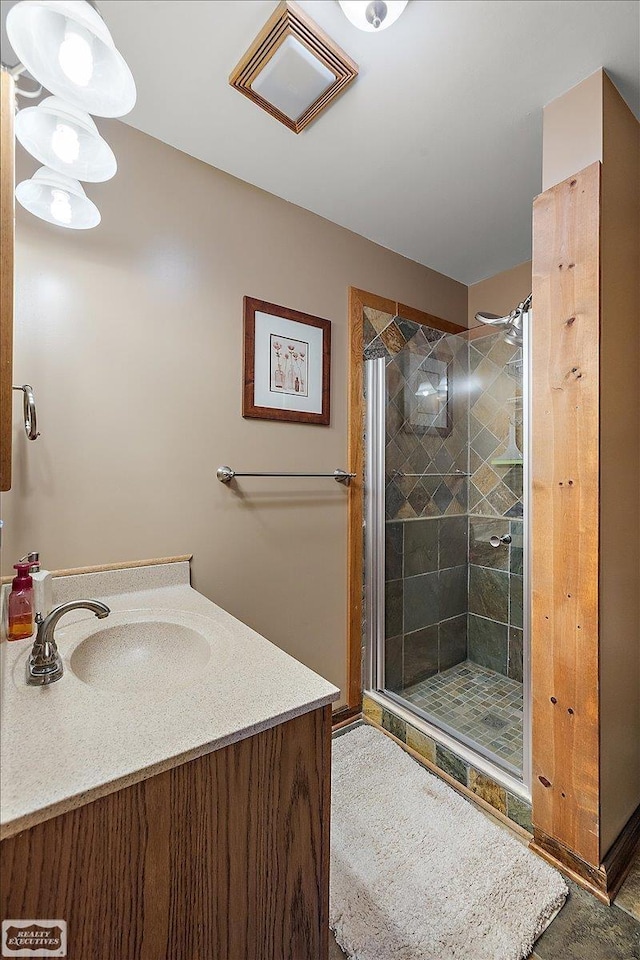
<point>58,199</point>
<point>364,15</point>
<point>65,139</point>
<point>293,78</point>
<point>66,46</point>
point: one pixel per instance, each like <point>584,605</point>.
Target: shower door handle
<point>497,541</point>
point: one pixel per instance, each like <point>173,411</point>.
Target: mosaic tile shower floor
<point>483,706</point>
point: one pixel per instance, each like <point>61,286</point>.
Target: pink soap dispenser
<point>20,604</point>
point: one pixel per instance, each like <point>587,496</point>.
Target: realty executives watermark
<point>34,938</point>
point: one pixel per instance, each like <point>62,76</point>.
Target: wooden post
<point>585,503</point>
<point>564,654</point>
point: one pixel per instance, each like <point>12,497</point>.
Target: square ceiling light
<point>293,70</point>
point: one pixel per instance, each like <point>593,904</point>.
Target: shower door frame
<point>374,578</point>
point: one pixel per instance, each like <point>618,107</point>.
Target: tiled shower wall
<point>449,594</point>
<point>426,598</point>
<point>495,505</point>
<point>426,504</point>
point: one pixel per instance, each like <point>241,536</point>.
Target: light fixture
<point>372,15</point>
<point>66,46</point>
<point>65,139</point>
<point>58,199</point>
<point>292,69</point>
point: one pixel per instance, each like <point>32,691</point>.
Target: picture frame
<point>428,401</point>
<point>287,364</point>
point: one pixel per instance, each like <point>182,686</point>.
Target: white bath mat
<point>417,873</point>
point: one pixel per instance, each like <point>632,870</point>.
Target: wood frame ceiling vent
<point>293,70</point>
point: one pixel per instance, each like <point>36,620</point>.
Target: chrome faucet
<point>45,663</point>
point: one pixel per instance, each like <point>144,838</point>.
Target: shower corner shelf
<point>501,462</point>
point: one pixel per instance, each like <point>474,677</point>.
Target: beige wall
<point>131,335</point>
<point>500,294</point>
<point>572,131</point>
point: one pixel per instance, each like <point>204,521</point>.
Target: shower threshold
<point>470,752</point>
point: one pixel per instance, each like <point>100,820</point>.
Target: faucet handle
<point>37,643</point>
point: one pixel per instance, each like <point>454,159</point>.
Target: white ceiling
<point>434,151</point>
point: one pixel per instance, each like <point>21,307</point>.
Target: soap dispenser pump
<point>42,585</point>
<point>20,604</point>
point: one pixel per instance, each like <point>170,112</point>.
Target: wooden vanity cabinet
<point>225,857</point>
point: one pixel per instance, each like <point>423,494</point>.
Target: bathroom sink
<point>138,650</point>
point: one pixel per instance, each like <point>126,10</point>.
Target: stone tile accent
<point>519,811</point>
<point>372,710</point>
<point>378,320</point>
<point>421,743</point>
<point>394,725</point>
<point>451,764</point>
<point>488,789</point>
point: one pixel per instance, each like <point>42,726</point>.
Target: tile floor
<point>482,705</point>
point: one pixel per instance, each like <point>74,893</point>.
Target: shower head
<point>490,318</point>
<point>512,323</point>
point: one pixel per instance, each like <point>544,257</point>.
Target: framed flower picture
<point>287,364</point>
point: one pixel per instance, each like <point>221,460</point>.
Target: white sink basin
<point>143,650</point>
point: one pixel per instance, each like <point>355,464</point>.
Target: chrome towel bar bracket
<point>226,475</point>
<point>29,409</point>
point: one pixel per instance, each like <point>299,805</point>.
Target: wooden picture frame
<point>287,364</point>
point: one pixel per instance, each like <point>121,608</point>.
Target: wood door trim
<point>7,228</point>
<point>358,300</point>
<point>427,319</point>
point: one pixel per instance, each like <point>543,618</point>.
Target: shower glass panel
<point>453,650</point>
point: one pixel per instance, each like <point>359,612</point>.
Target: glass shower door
<point>450,630</point>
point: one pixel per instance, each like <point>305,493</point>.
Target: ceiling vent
<point>293,70</point>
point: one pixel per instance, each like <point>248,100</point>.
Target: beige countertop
<point>71,742</point>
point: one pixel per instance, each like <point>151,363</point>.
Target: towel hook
<point>29,410</point>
